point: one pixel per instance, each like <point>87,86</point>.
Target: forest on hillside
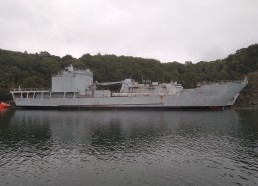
<point>35,70</point>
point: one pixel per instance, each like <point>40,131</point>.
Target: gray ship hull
<point>76,89</point>
<point>205,97</point>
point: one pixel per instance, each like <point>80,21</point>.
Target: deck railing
<point>221,82</point>
<point>29,89</point>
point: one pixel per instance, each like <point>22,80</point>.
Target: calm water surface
<point>129,147</point>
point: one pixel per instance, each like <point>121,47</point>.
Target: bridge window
<point>30,94</point>
<point>69,95</point>
<point>57,94</point>
<point>24,95</point>
<point>38,95</point>
<point>17,95</point>
<point>46,95</point>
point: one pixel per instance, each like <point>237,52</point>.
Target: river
<point>39,147</point>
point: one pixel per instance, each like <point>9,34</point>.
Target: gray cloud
<point>166,30</point>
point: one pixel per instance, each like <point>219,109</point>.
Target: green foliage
<point>35,70</point>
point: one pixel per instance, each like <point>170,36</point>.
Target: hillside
<point>249,96</point>
<point>35,70</point>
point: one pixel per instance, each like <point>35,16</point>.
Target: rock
<point>249,96</point>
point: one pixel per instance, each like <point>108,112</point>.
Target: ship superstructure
<point>75,88</point>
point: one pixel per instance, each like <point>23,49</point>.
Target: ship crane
<point>108,83</point>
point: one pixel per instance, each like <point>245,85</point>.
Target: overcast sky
<point>166,30</point>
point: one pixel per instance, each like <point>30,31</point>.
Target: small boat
<point>4,105</point>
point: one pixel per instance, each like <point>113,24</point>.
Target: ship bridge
<point>70,80</point>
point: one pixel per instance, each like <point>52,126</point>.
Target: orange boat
<point>4,105</point>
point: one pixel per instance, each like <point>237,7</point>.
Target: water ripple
<point>128,148</point>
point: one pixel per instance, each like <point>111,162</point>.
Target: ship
<point>75,88</point>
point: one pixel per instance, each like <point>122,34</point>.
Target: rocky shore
<point>249,96</point>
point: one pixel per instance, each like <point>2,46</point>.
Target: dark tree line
<point>35,70</point>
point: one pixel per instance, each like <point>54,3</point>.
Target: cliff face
<point>249,96</point>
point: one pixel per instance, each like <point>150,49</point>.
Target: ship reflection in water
<point>128,148</point>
